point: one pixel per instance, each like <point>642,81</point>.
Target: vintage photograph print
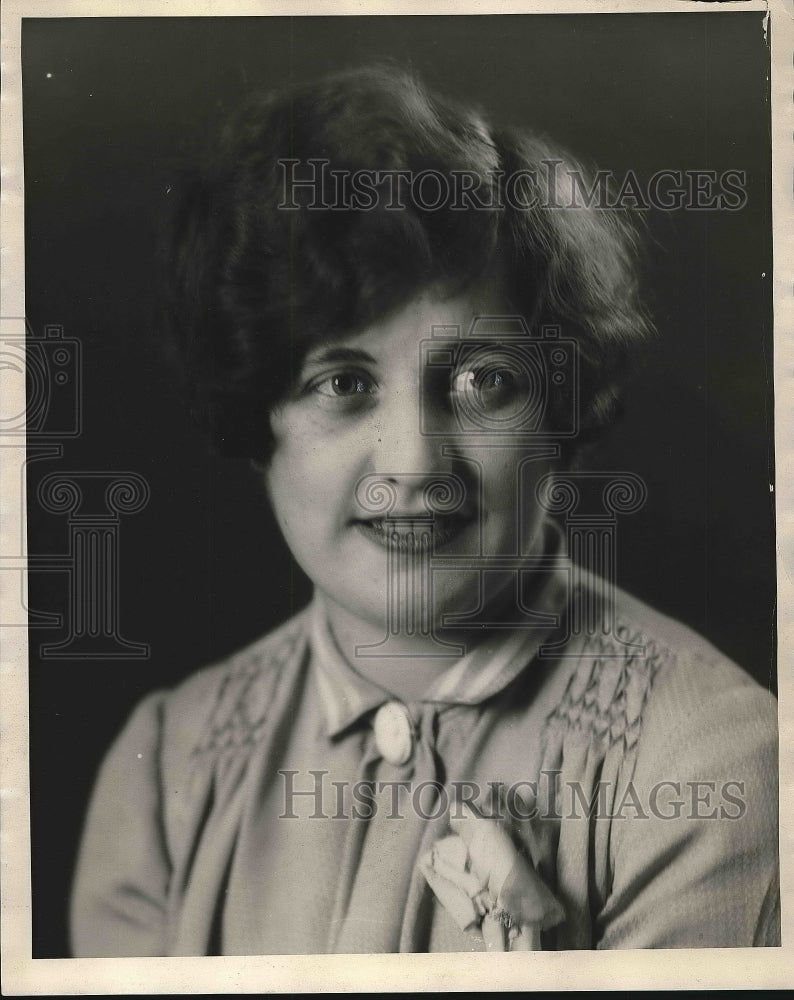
<point>398,466</point>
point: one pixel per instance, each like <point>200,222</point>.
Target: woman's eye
<point>344,385</point>
<point>485,381</point>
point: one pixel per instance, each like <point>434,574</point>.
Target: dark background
<point>202,571</point>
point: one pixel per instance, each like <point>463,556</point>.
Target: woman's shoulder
<point>258,661</point>
<point>679,658</point>
<point>227,702</point>
<point>683,743</point>
<point>691,692</point>
<point>649,675</point>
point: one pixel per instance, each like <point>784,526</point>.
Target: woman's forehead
<point>428,314</point>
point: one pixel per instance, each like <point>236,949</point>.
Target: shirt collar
<point>485,671</point>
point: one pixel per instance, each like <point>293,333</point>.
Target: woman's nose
<point>403,446</point>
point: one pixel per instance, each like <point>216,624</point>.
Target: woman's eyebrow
<point>337,353</point>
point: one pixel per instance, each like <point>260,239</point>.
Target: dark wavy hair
<point>252,286</point>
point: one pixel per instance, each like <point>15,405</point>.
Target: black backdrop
<point>112,107</point>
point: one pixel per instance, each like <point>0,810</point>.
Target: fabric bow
<point>481,879</point>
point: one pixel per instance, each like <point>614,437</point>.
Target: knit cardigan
<point>654,799</point>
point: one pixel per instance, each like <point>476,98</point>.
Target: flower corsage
<point>482,879</point>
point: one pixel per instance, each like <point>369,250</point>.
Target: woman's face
<point>372,422</point>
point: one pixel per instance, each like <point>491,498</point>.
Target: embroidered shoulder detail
<point>606,694</point>
<point>245,693</point>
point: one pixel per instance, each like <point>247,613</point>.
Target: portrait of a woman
<point>415,325</point>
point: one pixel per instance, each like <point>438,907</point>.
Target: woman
<point>414,326</point>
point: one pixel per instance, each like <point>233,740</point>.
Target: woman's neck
<point>404,665</point>
<point>408,664</point>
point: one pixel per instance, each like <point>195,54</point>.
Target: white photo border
<point>712,968</point>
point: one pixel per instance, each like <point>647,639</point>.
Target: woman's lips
<point>407,534</point>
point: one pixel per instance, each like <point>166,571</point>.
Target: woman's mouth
<point>405,534</point>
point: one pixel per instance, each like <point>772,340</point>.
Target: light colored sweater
<point>198,840</point>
